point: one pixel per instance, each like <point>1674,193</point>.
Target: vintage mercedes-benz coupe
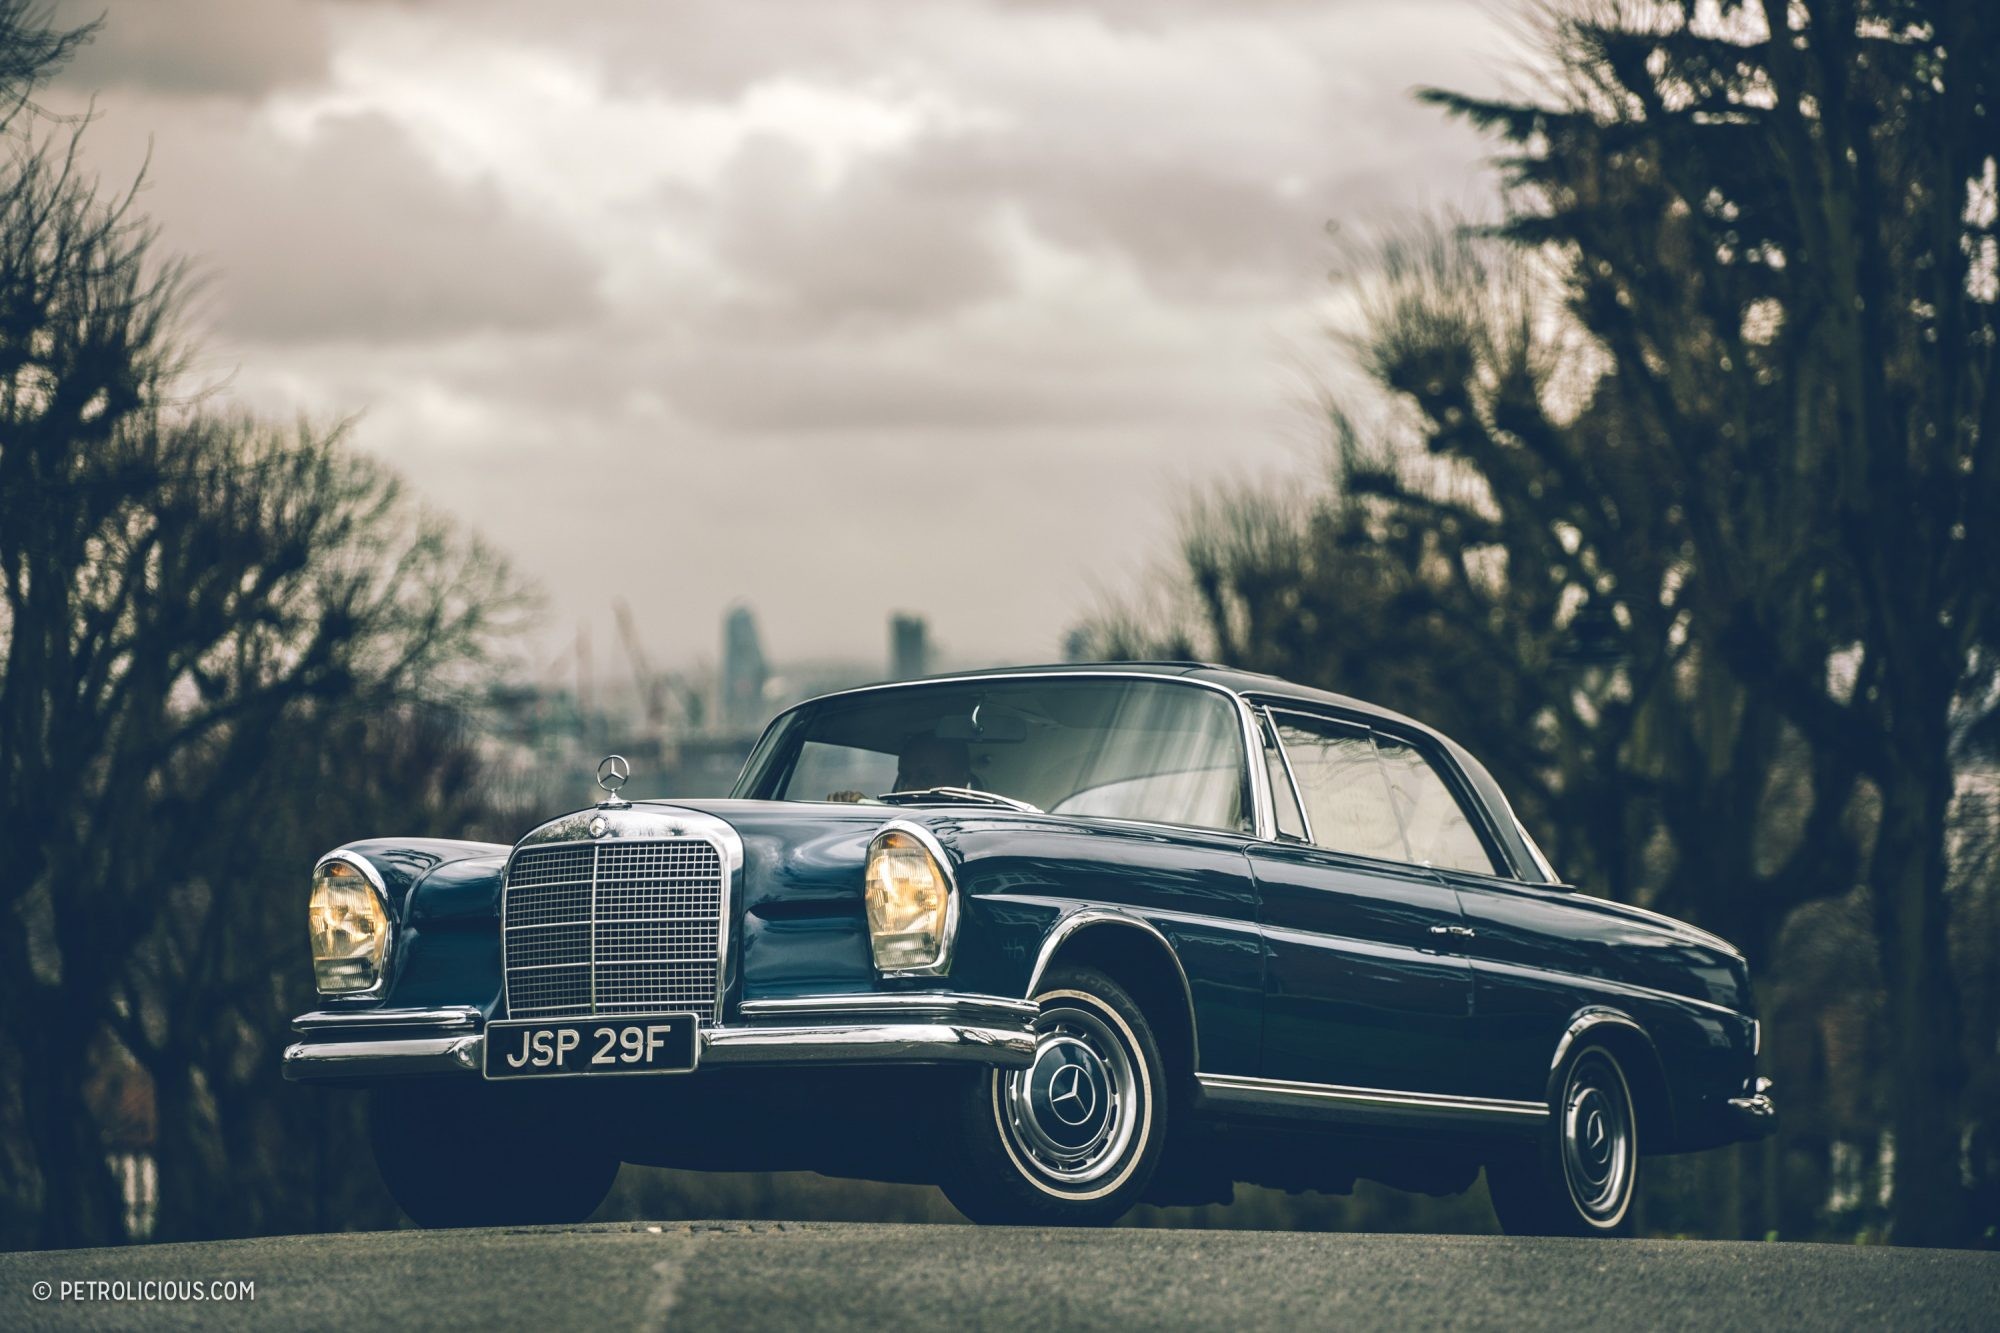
<point>1057,939</point>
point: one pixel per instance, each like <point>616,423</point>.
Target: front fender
<point>403,862</point>
<point>444,903</point>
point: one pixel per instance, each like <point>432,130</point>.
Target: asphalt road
<point>762,1275</point>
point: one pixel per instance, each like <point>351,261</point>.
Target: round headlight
<point>349,925</point>
<point>909,904</point>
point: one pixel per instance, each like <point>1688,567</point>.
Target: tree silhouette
<point>181,587</point>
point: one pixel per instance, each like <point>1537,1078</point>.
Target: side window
<point>1284,800</point>
<point>1439,833</point>
<point>1340,781</point>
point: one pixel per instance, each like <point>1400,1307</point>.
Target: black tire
<point>1074,1139</point>
<point>473,1158</point>
<point>1580,1175</point>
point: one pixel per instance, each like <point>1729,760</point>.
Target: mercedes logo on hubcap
<point>1072,1096</point>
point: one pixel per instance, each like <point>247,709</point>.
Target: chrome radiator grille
<point>613,928</point>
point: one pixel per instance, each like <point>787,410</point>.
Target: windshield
<point>1162,751</point>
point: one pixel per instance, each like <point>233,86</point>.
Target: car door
<point>1522,960</point>
<point>1364,987</point>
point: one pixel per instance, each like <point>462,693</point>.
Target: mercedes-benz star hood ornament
<point>613,772</point>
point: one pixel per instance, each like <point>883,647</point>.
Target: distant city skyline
<point>835,310</point>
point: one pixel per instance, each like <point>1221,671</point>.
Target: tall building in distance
<point>744,673</point>
<point>909,647</point>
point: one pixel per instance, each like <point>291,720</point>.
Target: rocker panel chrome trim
<point>1336,1102</point>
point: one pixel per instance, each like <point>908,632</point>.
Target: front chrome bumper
<point>367,1045</point>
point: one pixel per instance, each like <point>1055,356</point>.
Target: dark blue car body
<point>1322,1015</point>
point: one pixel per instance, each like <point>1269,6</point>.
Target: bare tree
<point>1778,220</point>
<point>178,585</point>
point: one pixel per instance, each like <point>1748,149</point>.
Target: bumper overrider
<point>1754,1114</point>
<point>367,1045</point>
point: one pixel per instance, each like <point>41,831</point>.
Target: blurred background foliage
<point>1672,495</point>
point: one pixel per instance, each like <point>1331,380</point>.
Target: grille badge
<point>598,826</point>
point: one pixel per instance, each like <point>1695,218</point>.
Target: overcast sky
<point>835,306</point>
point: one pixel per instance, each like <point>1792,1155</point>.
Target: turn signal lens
<point>909,904</point>
<point>349,926</point>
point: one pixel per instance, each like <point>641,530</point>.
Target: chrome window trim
<point>381,890</point>
<point>1280,709</point>
<point>1263,804</point>
<point>1435,750</point>
<point>1535,855</point>
<point>660,822</point>
<point>942,967</point>
<point>1285,758</point>
<point>1332,1098</point>
<point>1262,819</point>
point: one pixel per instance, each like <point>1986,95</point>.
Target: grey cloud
<point>1205,141</point>
<point>733,381</point>
<point>769,346</point>
<point>1210,161</point>
<point>877,243</point>
<point>356,236</point>
<point>236,49</point>
<point>817,391</point>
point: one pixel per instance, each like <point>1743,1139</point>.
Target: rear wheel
<point>1073,1139</point>
<point>470,1157</point>
<point>1579,1176</point>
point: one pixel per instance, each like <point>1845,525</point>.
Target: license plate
<point>553,1048</point>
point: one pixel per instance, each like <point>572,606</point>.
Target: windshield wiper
<point>968,794</point>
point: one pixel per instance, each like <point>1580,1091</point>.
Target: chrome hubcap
<point>1597,1139</point>
<point>1072,1113</point>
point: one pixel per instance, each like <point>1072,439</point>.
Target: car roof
<point>1267,688</point>
<point>1234,679</point>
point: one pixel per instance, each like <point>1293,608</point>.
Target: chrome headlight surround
<point>348,927</point>
<point>911,902</point>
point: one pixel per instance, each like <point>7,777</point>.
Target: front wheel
<point>1073,1139</point>
<point>471,1157</point>
<point>1579,1176</point>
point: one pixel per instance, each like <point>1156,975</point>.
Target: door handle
<point>1463,932</point>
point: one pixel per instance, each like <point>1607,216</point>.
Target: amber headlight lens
<point>349,927</point>
<point>909,904</point>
